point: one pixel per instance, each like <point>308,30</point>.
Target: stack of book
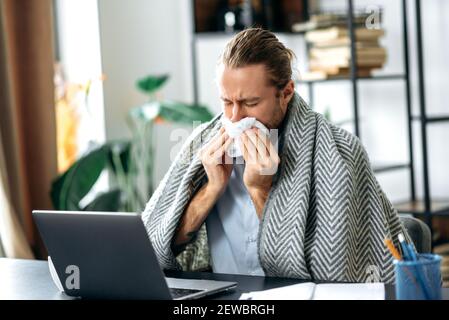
<point>331,19</point>
<point>443,251</point>
<point>330,50</point>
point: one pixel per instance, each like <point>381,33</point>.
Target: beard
<point>277,117</point>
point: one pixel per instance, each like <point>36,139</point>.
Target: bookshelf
<point>354,80</point>
<point>426,207</point>
<point>376,77</point>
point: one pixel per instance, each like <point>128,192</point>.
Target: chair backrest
<point>419,232</point>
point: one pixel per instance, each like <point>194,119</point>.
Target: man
<point>310,209</point>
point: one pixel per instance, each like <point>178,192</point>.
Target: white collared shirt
<point>233,227</point>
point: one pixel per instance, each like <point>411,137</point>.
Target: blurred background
<point>97,96</point>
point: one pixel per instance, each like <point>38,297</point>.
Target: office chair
<point>419,232</point>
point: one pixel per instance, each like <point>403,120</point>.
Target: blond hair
<point>258,46</point>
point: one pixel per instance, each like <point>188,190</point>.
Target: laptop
<point>107,255</point>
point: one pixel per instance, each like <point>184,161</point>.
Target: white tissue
<point>235,130</point>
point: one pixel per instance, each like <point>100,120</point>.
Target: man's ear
<point>288,92</point>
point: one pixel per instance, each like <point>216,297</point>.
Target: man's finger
<point>273,153</point>
<point>213,144</point>
<point>249,150</point>
<point>218,154</point>
<point>218,142</point>
<point>242,145</point>
<point>262,152</point>
<point>265,140</point>
<point>221,131</point>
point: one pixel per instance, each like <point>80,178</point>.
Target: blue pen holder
<point>419,280</point>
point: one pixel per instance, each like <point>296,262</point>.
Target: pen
<point>394,252</point>
<point>412,252</point>
<point>404,247</point>
<point>409,252</point>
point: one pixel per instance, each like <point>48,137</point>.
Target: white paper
<point>349,291</point>
<point>300,291</point>
<point>324,291</point>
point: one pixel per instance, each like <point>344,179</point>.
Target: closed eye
<point>251,104</point>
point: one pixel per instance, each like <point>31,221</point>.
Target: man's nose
<point>237,113</point>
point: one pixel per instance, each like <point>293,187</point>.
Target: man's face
<point>246,92</point>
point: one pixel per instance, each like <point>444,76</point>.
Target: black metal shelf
<point>374,77</point>
<point>417,207</point>
<point>431,119</point>
<point>354,79</point>
<point>425,207</point>
<point>380,168</point>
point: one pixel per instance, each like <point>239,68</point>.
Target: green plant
<point>130,163</point>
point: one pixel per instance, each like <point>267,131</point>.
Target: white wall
<point>140,37</point>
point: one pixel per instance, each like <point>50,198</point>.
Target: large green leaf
<point>107,201</point>
<point>150,84</point>
<point>68,189</point>
<point>180,112</point>
<point>172,111</point>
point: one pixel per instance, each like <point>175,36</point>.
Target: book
<point>313,75</point>
<point>345,52</point>
<point>325,20</point>
<point>338,32</point>
<point>331,64</point>
<point>333,73</point>
<point>322,291</point>
<point>330,52</point>
<point>445,260</point>
<point>445,273</point>
<point>345,42</point>
<point>441,249</point>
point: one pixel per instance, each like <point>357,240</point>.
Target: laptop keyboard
<point>178,292</point>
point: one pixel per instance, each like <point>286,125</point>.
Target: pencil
<point>392,249</point>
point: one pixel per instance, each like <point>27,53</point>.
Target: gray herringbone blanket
<point>326,216</point>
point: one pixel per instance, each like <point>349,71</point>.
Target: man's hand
<point>218,167</point>
<point>216,162</point>
<point>262,161</point>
